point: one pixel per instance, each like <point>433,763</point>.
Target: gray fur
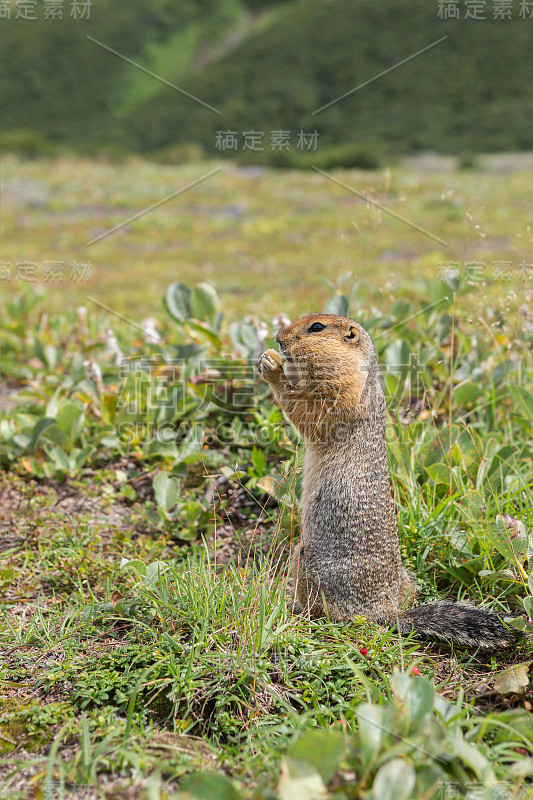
<point>348,561</point>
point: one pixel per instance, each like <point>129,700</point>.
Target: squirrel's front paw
<point>270,364</point>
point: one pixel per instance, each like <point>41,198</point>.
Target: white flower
<point>94,374</point>
<point>281,321</point>
<point>151,336</point>
<point>113,346</point>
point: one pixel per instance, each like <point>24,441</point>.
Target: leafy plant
<point>186,517</point>
<point>184,659</point>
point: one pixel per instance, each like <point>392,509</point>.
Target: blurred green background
<point>268,65</point>
<point>89,141</point>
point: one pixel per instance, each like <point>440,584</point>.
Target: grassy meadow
<point>266,239</point>
<point>149,486</point>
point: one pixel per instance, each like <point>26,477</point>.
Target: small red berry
<point>415,671</point>
<point>363,651</point>
<point>522,751</point>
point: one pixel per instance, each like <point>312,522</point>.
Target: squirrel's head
<point>331,357</point>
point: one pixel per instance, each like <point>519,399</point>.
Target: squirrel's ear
<point>353,334</point>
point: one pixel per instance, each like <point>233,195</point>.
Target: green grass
<point>182,51</point>
<point>148,643</point>
<point>264,240</point>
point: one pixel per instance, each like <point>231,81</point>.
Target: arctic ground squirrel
<point>327,380</point>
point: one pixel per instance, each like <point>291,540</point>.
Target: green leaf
<point>524,399</point>
<point>397,356</point>
<point>472,757</point>
<point>415,693</point>
<point>208,786</point>
<point>529,554</point>
<point>504,574</point>
<point>70,419</point>
<point>466,393</point>
<point>204,330</point>
<point>439,474</point>
<point>38,430</point>
<point>177,301</point>
<point>259,461</point>
<point>395,780</point>
<point>300,781</point>
<point>190,452</point>
<point>51,354</point>
<point>514,679</point>
<point>188,351</point>
<point>192,509</point>
<point>338,304</point>
<point>528,600</point>
<point>108,405</point>
<point>401,309</point>
<point>53,404</point>
<point>444,707</point>
<point>166,490</point>
<point>323,748</point>
<point>429,780</point>
<point>501,460</point>
<point>22,440</point>
<point>135,564</point>
<point>204,302</point>
<point>57,436</point>
<point>370,718</point>
<point>68,415</point>
<point>267,484</point>
<point>59,457</point>
<point>155,569</point>
<point>244,338</point>
<point>509,540</point>
<point>110,441</point>
<point>517,622</point>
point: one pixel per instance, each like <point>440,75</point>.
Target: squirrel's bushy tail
<point>458,622</point>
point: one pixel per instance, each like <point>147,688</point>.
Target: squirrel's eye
<point>316,326</point>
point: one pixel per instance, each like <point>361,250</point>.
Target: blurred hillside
<point>267,66</point>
